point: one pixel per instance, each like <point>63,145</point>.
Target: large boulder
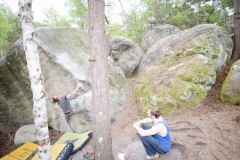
<point>126,54</point>
<point>64,61</point>
<point>209,40</point>
<point>137,150</point>
<point>157,33</point>
<point>230,91</point>
<point>171,88</point>
<point>179,70</point>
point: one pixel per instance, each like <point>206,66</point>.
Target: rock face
<point>177,152</point>
<point>126,54</point>
<point>15,90</point>
<point>158,33</point>
<point>179,70</point>
<point>64,61</point>
<point>230,91</point>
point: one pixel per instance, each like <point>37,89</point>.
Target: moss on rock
<point>185,87</point>
<point>230,92</point>
<point>187,94</point>
<point>238,119</point>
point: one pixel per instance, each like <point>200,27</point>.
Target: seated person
<point>156,139</point>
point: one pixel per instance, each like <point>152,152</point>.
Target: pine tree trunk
<point>236,20</point>
<point>36,79</point>
<point>199,7</point>
<point>101,108</point>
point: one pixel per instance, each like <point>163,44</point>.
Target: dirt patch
<point>208,130</point>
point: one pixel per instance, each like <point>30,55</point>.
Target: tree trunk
<point>36,79</point>
<point>199,7</point>
<point>236,20</point>
<point>101,108</point>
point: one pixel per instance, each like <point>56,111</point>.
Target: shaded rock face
<point>126,54</point>
<point>64,61</point>
<point>158,33</point>
<point>230,91</point>
<point>179,70</point>
<point>15,90</point>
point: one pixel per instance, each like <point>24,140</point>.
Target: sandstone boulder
<point>25,134</point>
<point>158,33</point>
<point>179,70</point>
<point>64,55</point>
<point>230,91</point>
<point>126,54</point>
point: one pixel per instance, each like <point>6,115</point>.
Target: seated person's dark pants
<point>150,143</point>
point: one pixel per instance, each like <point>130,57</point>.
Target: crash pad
<point>78,139</point>
<point>29,151</point>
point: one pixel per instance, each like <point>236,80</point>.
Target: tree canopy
<point>10,29</point>
<point>54,19</point>
<point>135,22</point>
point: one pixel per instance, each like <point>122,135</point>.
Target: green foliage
<point>144,15</point>
<point>134,26</point>
<point>181,13</point>
<point>5,28</point>
<point>180,17</point>
<point>113,30</point>
<point>238,118</point>
<point>227,3</point>
<point>10,29</point>
<point>54,19</point>
<point>219,11</point>
<point>225,95</point>
<point>78,12</point>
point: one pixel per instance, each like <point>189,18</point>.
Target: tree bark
<point>36,79</point>
<point>236,20</point>
<point>199,7</point>
<point>101,108</point>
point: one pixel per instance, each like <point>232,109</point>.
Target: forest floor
<point>208,130</point>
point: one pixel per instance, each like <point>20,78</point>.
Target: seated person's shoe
<point>153,157</point>
<point>89,119</point>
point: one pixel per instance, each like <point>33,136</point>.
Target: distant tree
<point>10,29</point>
<point>236,20</point>
<point>182,15</point>
<point>100,85</point>
<point>36,79</point>
<point>155,12</point>
<point>78,12</point>
<point>114,29</point>
<point>134,27</point>
<point>5,29</point>
<point>54,19</point>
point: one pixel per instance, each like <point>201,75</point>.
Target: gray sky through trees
<point>39,5</point>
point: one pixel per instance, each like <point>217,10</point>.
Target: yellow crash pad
<point>29,151</point>
<point>23,152</point>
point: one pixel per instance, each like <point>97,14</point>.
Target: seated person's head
<point>154,111</point>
